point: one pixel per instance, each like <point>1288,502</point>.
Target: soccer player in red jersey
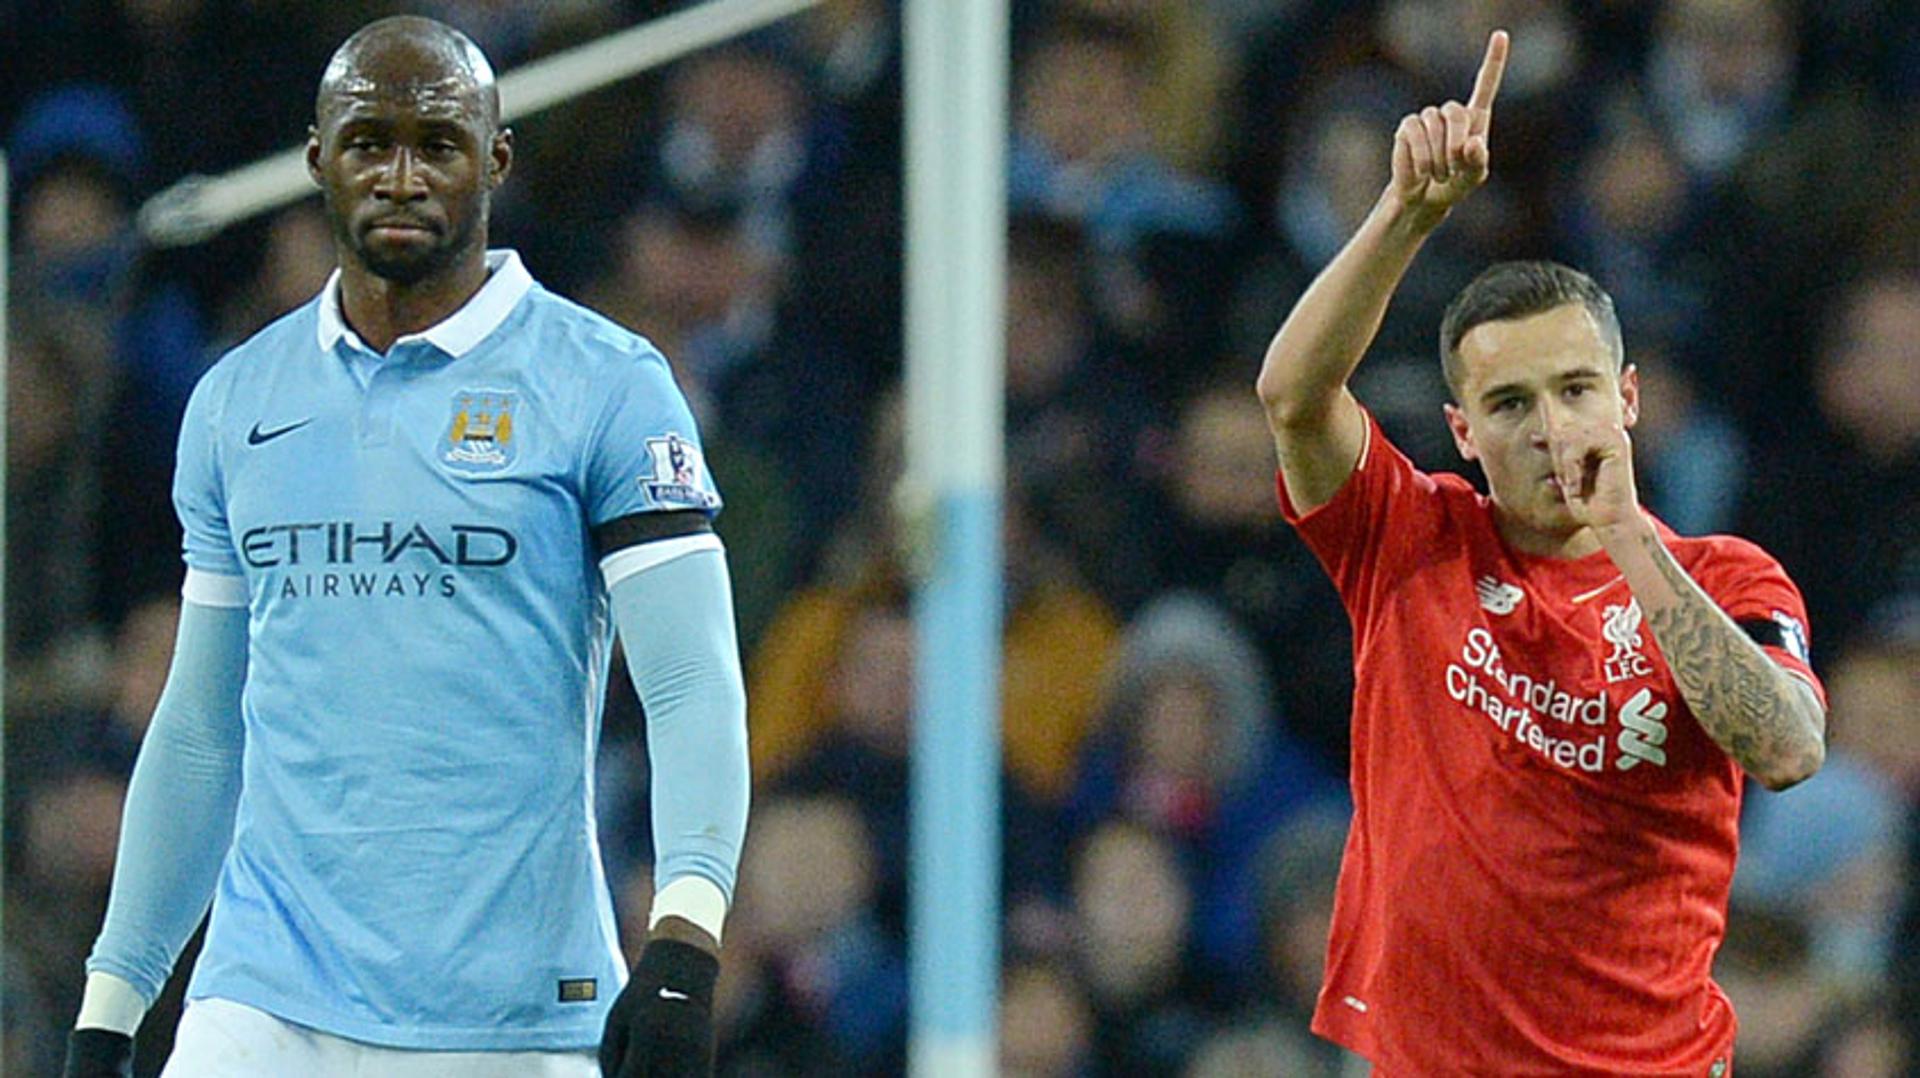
<point>1555,695</point>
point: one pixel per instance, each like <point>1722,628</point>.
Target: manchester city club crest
<point>481,435</point>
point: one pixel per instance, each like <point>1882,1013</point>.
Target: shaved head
<point>407,147</point>
<point>410,57</point>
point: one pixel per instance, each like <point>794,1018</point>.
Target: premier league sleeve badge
<point>678,476</point>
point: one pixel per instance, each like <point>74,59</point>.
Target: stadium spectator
<point>1133,910</point>
<point>1258,1051</point>
<point>850,50</point>
<point>1875,688</point>
<point>295,265</point>
<point>694,280</point>
<point>1851,470</point>
<point>80,157</point>
<point>736,129</point>
<point>59,377</point>
<point>1214,535</point>
<point>1632,213</point>
<point>1319,171</point>
<point>824,982</point>
<point>1058,635</point>
<point>1767,969</point>
<point>1189,65</point>
<point>1298,870</point>
<point>1719,78</point>
<point>1077,414</point>
<point>1435,43</point>
<point>1692,455</point>
<point>1081,151</point>
<point>1189,747</point>
<point>1830,857</point>
<point>1046,1022</point>
<point>56,892</point>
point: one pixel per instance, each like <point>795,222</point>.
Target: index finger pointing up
<point>1487,83</point>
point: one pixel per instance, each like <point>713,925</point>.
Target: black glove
<point>661,1026</point>
<point>98,1053</point>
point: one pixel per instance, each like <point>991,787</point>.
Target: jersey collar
<point>457,334</point>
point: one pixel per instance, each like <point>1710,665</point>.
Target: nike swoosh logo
<point>668,993</point>
<point>256,436</point>
<point>1585,595</point>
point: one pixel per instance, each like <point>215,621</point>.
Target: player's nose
<point>400,180</point>
<point>1555,420</point>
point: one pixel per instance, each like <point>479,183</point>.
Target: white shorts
<point>219,1038</point>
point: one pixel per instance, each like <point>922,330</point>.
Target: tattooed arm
<point>1769,721</point>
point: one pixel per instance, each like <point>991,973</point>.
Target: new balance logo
<point>1497,597</point>
<point>1642,731</point>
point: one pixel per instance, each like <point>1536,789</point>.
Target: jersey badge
<point>481,435</point>
<point>1497,597</point>
<point>1643,730</point>
<point>1620,625</point>
<point>677,478</point>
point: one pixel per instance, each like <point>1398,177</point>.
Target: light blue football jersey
<point>414,859</point>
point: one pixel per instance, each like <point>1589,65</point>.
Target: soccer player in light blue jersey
<point>415,510</point>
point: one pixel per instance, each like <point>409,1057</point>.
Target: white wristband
<point>108,1002</point>
<point>691,898</point>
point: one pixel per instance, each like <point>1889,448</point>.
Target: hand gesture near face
<point>1440,154</point>
<point>1593,464</point>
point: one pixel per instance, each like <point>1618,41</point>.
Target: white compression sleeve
<point>676,624</point>
<point>178,821</point>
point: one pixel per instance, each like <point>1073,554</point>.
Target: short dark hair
<point>1508,290</point>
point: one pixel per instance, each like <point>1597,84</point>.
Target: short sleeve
<point>644,455</point>
<point>1755,591</point>
<point>1384,514</point>
<point>199,491</point>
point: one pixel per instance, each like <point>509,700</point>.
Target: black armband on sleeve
<point>636,528</point>
<point>1763,631</point>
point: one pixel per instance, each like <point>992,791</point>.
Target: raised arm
<point>1440,155</point>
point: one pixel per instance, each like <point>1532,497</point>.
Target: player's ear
<point>499,157</point>
<point>1630,395</point>
<point>1462,434</point>
<point>313,155</point>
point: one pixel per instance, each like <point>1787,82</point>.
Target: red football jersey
<point>1543,837</point>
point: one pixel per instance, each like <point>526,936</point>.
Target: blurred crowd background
<point>1743,175</point>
